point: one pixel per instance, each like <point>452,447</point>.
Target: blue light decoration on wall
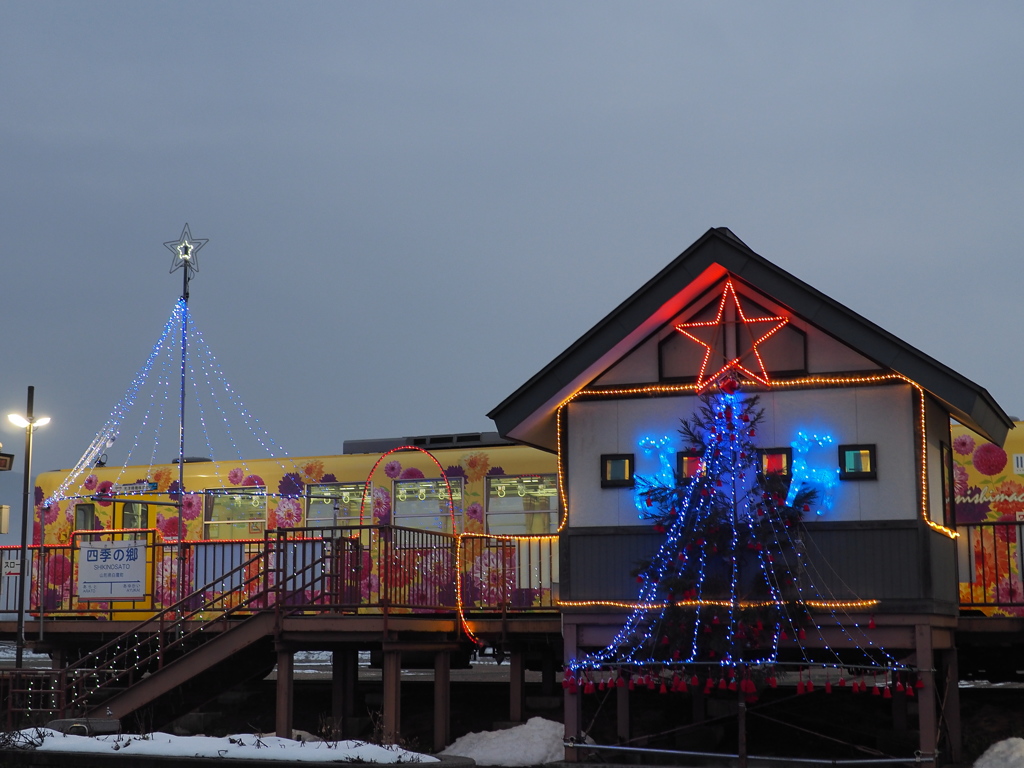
<point>822,479</point>
<point>728,596</point>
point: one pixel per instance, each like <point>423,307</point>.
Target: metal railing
<point>989,561</point>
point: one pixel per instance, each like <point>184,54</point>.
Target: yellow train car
<point>988,493</point>
<point>163,533</point>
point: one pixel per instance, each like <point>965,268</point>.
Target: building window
<point>522,504</point>
<point>238,513</point>
<point>617,470</point>
<point>777,461</point>
<point>423,504</point>
<point>337,504</point>
<point>857,462</point>
<point>689,464</point>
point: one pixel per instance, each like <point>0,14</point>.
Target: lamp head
<point>17,420</point>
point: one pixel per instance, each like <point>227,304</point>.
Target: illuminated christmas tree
<point>726,593</point>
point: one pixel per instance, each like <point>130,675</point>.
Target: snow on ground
<point>535,742</point>
<point>243,746</point>
<point>1003,754</point>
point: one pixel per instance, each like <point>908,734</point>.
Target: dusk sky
<point>413,207</point>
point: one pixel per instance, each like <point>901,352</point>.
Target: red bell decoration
<point>773,682</point>
<point>695,681</point>
<point>887,694</point>
<point>620,682</point>
<point>842,682</point>
<point>722,685</point>
<point>828,686</point>
<point>910,692</point>
<point>733,686</point>
<point>651,685</point>
<point>663,688</point>
<point>810,685</point>
<point>632,685</point>
<point>729,386</point>
<point>589,687</point>
<point>875,691</point>
<point>919,684</point>
<point>871,623</point>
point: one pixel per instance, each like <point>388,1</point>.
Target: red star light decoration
<point>710,334</point>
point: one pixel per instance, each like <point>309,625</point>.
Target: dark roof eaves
<point>722,247</point>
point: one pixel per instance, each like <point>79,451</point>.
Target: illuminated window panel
<point>777,461</point>
<point>689,464</point>
<point>423,504</point>
<point>522,505</point>
<point>238,513</point>
<point>617,470</point>
<point>857,462</point>
<point>336,504</point>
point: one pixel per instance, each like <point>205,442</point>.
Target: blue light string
<point>639,629</point>
<point>109,431</point>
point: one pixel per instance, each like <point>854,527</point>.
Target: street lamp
<point>28,422</point>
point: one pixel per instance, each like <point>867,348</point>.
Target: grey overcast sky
<point>414,206</point>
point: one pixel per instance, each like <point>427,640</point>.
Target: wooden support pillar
<point>285,693</point>
<point>926,700</point>
<point>572,708</point>
<point>622,714</point>
<point>392,695</point>
<point>951,704</point>
<point>344,674</point>
<point>547,675</point>
<point>442,700</point>
<point>517,685</point>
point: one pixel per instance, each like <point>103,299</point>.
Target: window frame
<point>606,462</point>
<point>872,450</point>
<point>763,453</point>
<point>682,456</point>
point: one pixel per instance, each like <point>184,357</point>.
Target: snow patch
<point>535,742</point>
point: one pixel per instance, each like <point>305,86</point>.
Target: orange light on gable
<point>710,334</point>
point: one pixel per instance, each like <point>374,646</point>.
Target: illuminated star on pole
<point>710,334</point>
<point>185,250</point>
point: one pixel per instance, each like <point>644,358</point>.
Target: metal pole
<point>23,566</point>
<point>181,405</point>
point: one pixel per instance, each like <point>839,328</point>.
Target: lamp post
<point>28,422</point>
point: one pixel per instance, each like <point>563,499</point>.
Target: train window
<point>236,513</point>
<point>337,504</point>
<point>85,518</point>
<point>135,514</point>
<point>522,504</point>
<point>422,503</point>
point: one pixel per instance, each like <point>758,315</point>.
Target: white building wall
<point>881,415</point>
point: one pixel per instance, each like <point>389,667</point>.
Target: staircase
<point>174,661</point>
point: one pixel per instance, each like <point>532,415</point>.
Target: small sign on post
<point>6,462</point>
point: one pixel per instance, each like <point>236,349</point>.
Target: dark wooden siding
<point>906,565</point>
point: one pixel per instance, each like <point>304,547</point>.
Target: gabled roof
<point>528,414</point>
